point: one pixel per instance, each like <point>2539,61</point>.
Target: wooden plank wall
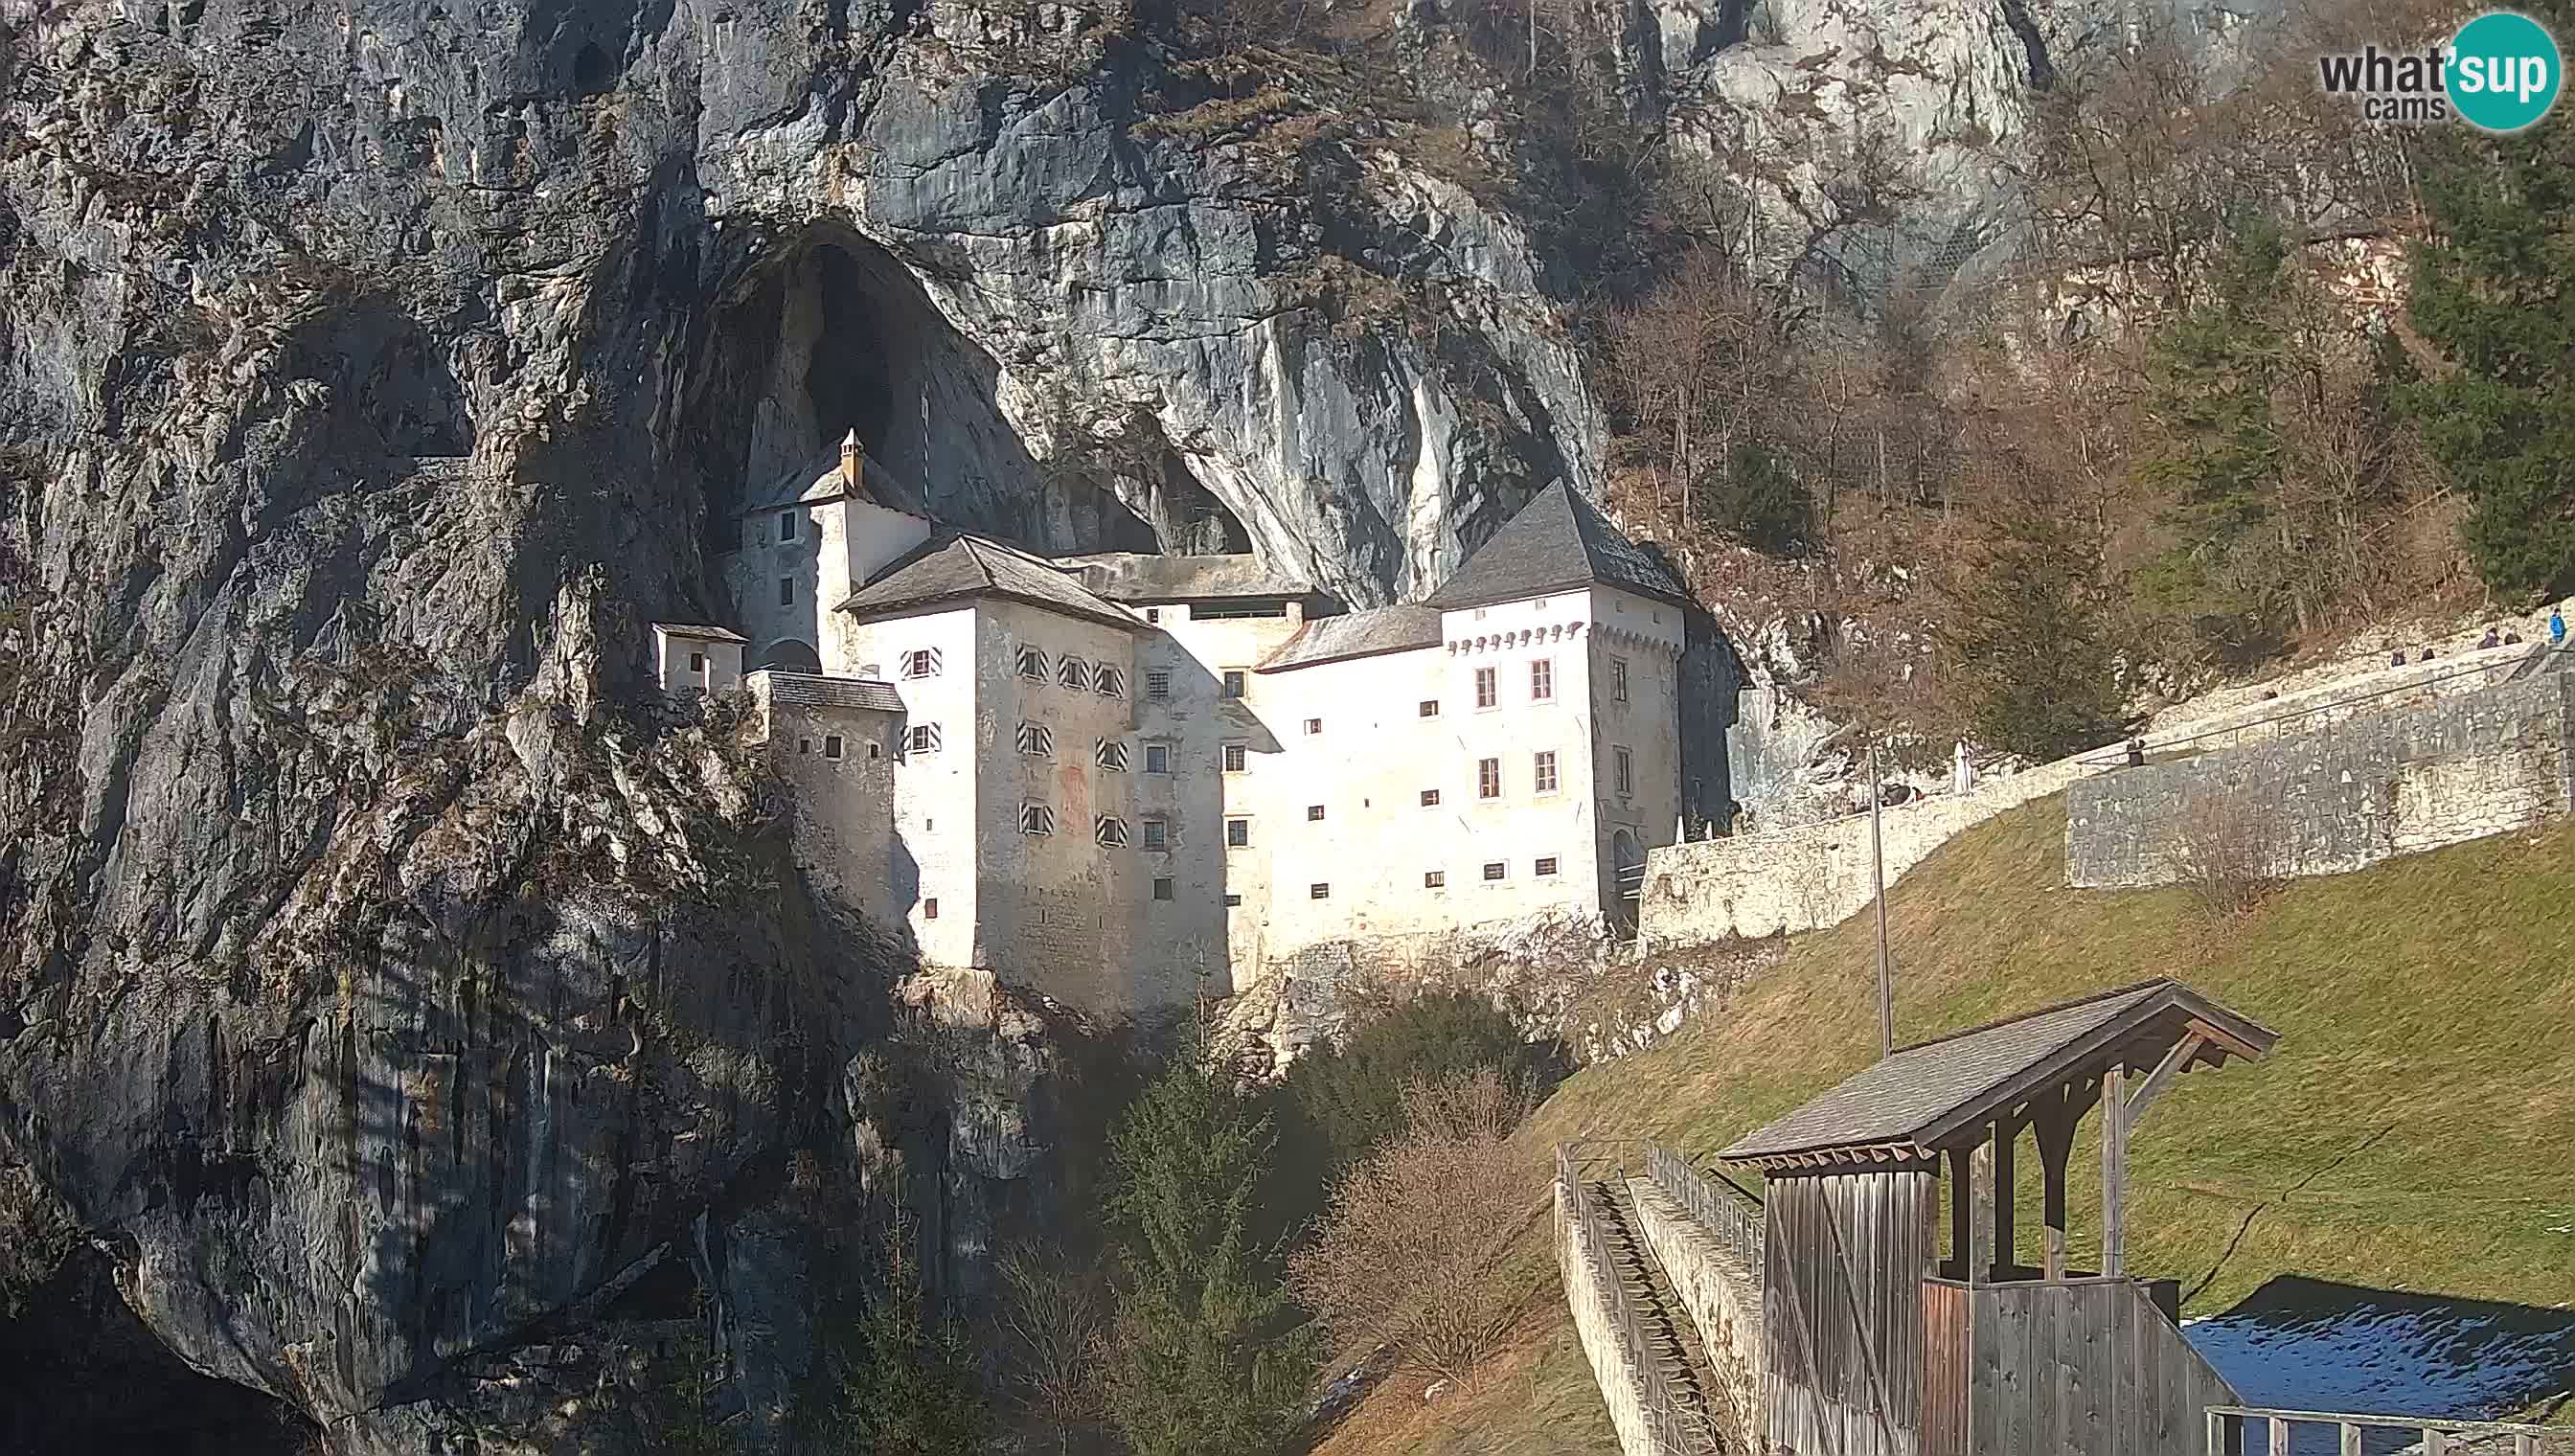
<point>2079,1368</point>
<point>1842,1317</point>
<point>1946,1356</point>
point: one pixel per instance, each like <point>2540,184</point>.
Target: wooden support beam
<point>1962,1238</point>
<point>1982,1257</point>
<point>2054,1129</point>
<point>2114,1169</point>
<point>2006,1194</point>
<point>2163,1076</point>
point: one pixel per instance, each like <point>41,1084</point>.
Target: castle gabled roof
<point>961,568</point>
<point>699,631</point>
<point>814,690</point>
<point>1129,575</point>
<point>1357,635</point>
<point>1559,542</point>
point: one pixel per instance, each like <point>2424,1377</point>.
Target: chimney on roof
<point>853,459</point>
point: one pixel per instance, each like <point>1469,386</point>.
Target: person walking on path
<point>2556,628</point>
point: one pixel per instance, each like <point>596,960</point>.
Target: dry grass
<point>2410,1132</point>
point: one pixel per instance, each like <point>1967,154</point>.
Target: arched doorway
<point>1626,877</point>
<point>788,655</point>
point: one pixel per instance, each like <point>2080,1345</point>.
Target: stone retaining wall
<point>1724,1298</point>
<point>2336,797</point>
<point>1584,1270</point>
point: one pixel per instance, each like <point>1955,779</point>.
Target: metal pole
<point>1877,868</point>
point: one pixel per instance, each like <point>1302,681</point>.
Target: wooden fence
<point>2239,1430</point>
<point>2065,1367</point>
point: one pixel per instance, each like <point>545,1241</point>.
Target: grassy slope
<point>2415,1128</point>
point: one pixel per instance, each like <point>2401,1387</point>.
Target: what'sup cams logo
<point>2500,73</point>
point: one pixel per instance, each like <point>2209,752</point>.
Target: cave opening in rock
<point>591,72</point>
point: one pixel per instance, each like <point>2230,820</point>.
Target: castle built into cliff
<point>1111,775</point>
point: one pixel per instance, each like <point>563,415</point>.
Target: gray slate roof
<point>698,633</point>
<point>1357,635</point>
<point>1559,542</point>
<point>957,568</point>
<point>809,689</point>
<point>820,481</point>
<point>1925,1090</point>
<point>1129,576</point>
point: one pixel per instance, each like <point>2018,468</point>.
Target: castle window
<point>1619,679</point>
<point>1157,833</point>
<point>1430,707</point>
<point>1112,755</point>
<point>1546,773</point>
<point>803,746</point>
<point>1237,833</point>
<point>1037,739</point>
<point>1157,684</point>
<point>1497,869</point>
<point>1109,830</point>
<point>1074,673</point>
<point>1157,757</point>
<point>1488,778</point>
<point>1162,888</point>
<point>831,745</point>
<point>921,737</point>
<point>1314,814</point>
<point>1542,680</point>
<point>1152,614</point>
<point>1435,880</point>
<point>697,661</point>
<point>787,525</point>
<point>1238,759</point>
<point>1232,900</point>
<point>1035,819</point>
<point>921,662</point>
<point>929,908</point>
<point>1626,768</point>
<point>1313,725</point>
<point>1032,665</point>
<point>1110,681</point>
<point>787,590</point>
<point>1318,891</point>
<point>1429,798</point>
<point>874,748</point>
<point>1233,681</point>
<point>1486,692</point>
<point>1545,866</point>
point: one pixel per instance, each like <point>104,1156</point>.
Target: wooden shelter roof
<point>1949,1090</point>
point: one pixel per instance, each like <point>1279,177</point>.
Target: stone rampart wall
<point>1724,1296</point>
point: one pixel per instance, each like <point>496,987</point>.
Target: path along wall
<point>1724,1296</point>
<point>1585,1273</point>
<point>2335,797</point>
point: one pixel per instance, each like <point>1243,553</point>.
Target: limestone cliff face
<point>388,993</point>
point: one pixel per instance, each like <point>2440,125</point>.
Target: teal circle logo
<point>2502,71</point>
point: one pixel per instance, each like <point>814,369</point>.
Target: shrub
<point>1398,1262</point>
<point>2230,849</point>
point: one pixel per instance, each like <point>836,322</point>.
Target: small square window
<point>1486,692</point>
<point>1162,888</point>
<point>1035,819</point>
<point>1313,725</point>
<point>1497,869</point>
<point>1488,778</point>
<point>1435,880</point>
<point>874,748</point>
<point>1618,680</point>
<point>1074,673</point>
<point>1318,891</point>
<point>787,525</point>
<point>1157,833</point>
<point>1110,830</point>
<point>920,663</point>
<point>1232,900</point>
<point>1542,680</point>
<point>929,908</point>
<point>1238,757</point>
<point>1036,739</point>
<point>1110,754</point>
<point>1152,614</point>
<point>697,661</point>
<point>803,746</point>
<point>1546,773</point>
<point>1032,665</point>
<point>1314,814</point>
<point>1237,833</point>
<point>787,590</point>
<point>1430,707</point>
<point>1157,684</point>
<point>922,738</point>
<point>1545,866</point>
<point>1233,681</point>
<point>1157,757</point>
<point>831,745</point>
<point>1429,798</point>
<point>1110,681</point>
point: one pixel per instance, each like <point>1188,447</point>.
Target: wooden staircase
<point>1670,1339</point>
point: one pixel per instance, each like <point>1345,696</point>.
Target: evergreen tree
<point>903,1378</point>
<point>2023,632</point>
<point>1208,1356</point>
<point>2494,291</point>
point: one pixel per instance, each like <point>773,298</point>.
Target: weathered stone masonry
<point>2342,796</point>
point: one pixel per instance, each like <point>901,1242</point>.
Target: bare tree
<point>1396,1262</point>
<point>1055,1322</point>
<point>2229,849</point>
